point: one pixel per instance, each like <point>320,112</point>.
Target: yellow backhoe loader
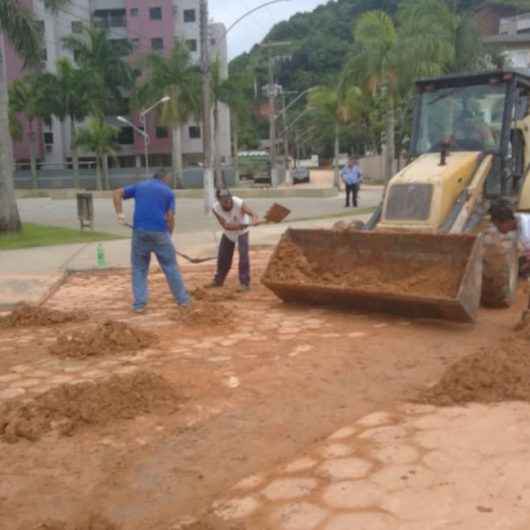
<point>430,249</point>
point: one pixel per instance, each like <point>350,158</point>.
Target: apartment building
<point>151,26</point>
<point>508,30</point>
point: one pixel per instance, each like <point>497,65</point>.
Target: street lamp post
<point>143,133</point>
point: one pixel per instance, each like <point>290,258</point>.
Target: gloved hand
<point>121,218</point>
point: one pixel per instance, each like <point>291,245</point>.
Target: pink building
<point>151,26</point>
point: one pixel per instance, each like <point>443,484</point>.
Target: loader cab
<point>482,113</point>
<point>466,129</point>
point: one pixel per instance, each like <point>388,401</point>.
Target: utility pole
<point>272,93</point>
<point>206,115</point>
<point>272,121</point>
<point>286,142</point>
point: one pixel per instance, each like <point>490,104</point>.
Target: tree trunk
<point>9,217</point>
<point>336,176</point>
<point>236,154</point>
<point>178,173</point>
<point>75,153</point>
<point>98,173</point>
<point>390,151</point>
<point>106,171</point>
<point>33,156</point>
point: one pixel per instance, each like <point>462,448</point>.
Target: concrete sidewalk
<point>29,274</point>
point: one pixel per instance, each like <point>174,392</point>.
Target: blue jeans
<point>143,244</point>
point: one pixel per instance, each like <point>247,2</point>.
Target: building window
<point>110,18</point>
<point>134,12</point>
<point>135,43</point>
<point>126,136</point>
<point>192,44</point>
<point>48,138</point>
<point>157,44</point>
<point>190,15</point>
<point>162,132</point>
<point>155,13</point>
<point>77,26</point>
<point>213,42</point>
<point>194,132</point>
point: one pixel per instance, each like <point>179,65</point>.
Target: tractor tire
<point>500,272</point>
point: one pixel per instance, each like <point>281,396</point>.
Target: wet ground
<point>262,389</point>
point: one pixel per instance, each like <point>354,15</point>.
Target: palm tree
<point>71,100</point>
<point>107,75</point>
<point>32,96</point>
<point>22,32</point>
<point>174,76</point>
<point>340,106</point>
<point>374,68</point>
<point>100,139</point>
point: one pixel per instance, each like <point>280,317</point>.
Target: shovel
<point>275,214</point>
<point>195,261</point>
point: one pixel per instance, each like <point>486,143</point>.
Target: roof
<point>517,38</point>
<point>476,78</point>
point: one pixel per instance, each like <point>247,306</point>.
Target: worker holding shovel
<point>235,217</point>
<point>154,221</point>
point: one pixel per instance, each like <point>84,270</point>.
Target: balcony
<point>110,18</point>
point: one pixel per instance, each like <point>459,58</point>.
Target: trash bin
<point>85,210</point>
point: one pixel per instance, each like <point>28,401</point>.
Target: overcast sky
<point>252,29</point>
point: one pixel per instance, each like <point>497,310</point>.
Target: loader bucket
<point>411,274</point>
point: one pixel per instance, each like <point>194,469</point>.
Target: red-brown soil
<point>106,338</point>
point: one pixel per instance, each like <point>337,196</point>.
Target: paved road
<point>190,216</point>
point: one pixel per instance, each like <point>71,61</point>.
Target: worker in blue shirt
<point>352,177</point>
<point>154,221</point>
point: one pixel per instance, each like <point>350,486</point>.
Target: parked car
<point>300,175</point>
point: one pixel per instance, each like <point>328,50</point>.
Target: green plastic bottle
<point>100,256</point>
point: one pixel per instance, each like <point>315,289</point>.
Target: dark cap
<point>502,211</point>
<point>224,194</point>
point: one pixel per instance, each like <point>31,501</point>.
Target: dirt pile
<point>109,337</point>
<point>90,522</point>
<point>217,294</point>
<point>67,408</point>
<point>489,376</point>
<point>25,315</point>
<point>345,226</point>
<point>291,265</point>
<point>203,314</point>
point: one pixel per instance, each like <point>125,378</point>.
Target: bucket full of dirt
<point>410,274</point>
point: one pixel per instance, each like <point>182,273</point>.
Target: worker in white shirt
<point>235,217</point>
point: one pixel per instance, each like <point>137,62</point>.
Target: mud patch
<point>351,270</point>
<point>109,337</point>
<point>90,522</point>
<point>25,315</point>
<point>489,376</point>
<point>203,314</point>
<point>68,408</point>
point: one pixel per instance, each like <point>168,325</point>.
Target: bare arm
<point>170,221</point>
<point>117,199</point>
<point>249,211</point>
<point>225,225</point>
